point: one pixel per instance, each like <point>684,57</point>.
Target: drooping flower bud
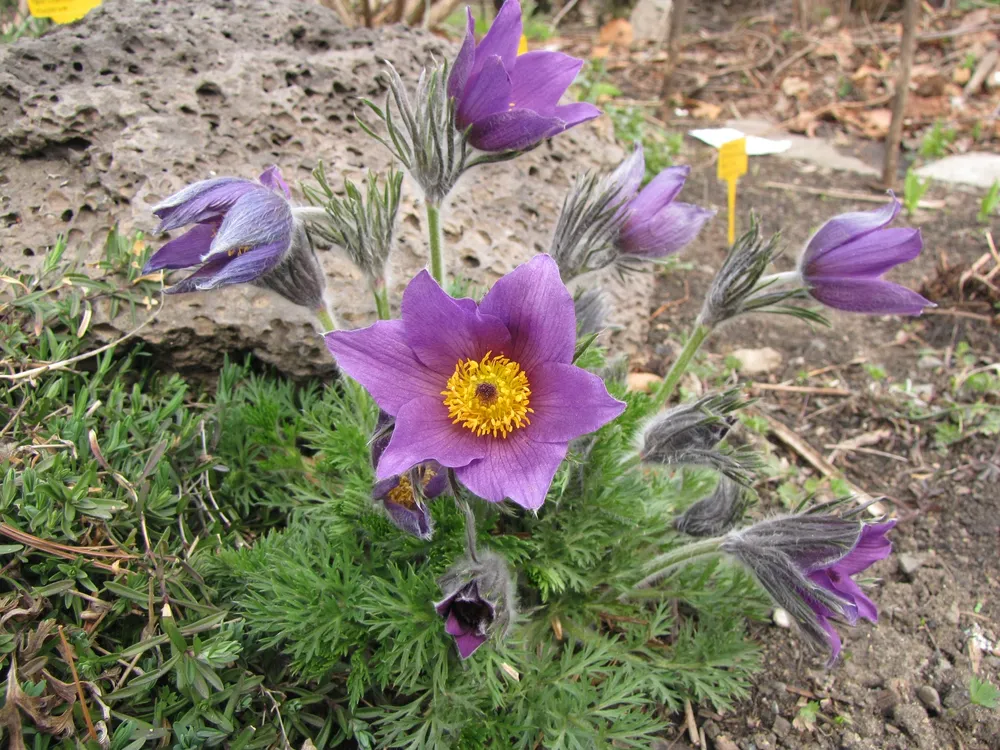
<point>805,562</point>
<point>361,223</point>
<point>478,601</point>
<point>716,513</point>
<point>689,434</point>
<point>299,278</point>
<point>402,496</point>
<point>740,287</point>
<point>422,131</point>
<point>591,307</point>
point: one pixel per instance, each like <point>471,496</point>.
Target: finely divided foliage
<point>473,537</point>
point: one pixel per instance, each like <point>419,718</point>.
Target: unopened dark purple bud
<point>478,601</point>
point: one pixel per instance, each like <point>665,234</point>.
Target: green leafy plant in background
<point>914,190</point>
<point>936,141</point>
<point>983,693</point>
<point>988,206</point>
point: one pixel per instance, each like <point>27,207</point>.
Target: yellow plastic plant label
<point>732,166</point>
<point>61,11</point>
<point>522,46</point>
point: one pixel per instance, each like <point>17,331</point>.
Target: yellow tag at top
<point>732,166</point>
<point>61,11</point>
<point>522,46</point>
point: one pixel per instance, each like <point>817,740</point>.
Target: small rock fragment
<point>781,726</point>
<point>642,382</point>
<point>909,563</point>
<point>930,698</point>
<point>781,618</point>
<point>758,361</point>
<point>724,743</point>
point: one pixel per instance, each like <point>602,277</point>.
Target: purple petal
<point>462,67</point>
<point>516,467</point>
<point>443,332</point>
<point>513,130</point>
<point>201,201</point>
<point>847,588</point>
<point>468,643</point>
<point>384,487</point>
<point>872,546</point>
<point>575,113</point>
<point>184,251</point>
<point>657,194</point>
<point>438,483</point>
<point>847,227</point>
<point>207,271</point>
<point>488,92</point>
<point>379,358</point>
<point>540,78</point>
<point>665,233</point>
<point>628,176</point>
<point>443,606</point>
<point>868,256</point>
<point>873,296</point>
<point>423,432</point>
<point>453,626</point>
<point>258,218</point>
<point>833,582</point>
<point>568,402</point>
<point>503,38</point>
<point>538,311</point>
<point>415,521</point>
<point>241,269</point>
<point>833,637</point>
<point>271,178</point>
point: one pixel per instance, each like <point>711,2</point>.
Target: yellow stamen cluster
<point>237,251</point>
<point>489,397</point>
<point>402,493</point>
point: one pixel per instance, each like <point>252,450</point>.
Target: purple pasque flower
<point>510,102</point>
<point>487,389</point>
<point>836,579</point>
<point>468,617</point>
<point>805,562</point>
<point>656,225</point>
<point>242,230</point>
<point>478,601</point>
<point>402,496</point>
<point>843,263</point>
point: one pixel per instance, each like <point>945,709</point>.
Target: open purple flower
<point>486,389</point>
<point>508,101</point>
<point>872,546</point>
<point>656,224</point>
<point>843,263</point>
<point>243,230</point>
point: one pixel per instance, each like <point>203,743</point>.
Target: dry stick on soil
<point>907,49</point>
<point>792,439</point>
<point>68,656</point>
<point>815,390</point>
<point>850,195</point>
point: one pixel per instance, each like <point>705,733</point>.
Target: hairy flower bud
<point>805,562</point>
<point>716,513</point>
<point>591,307</point>
<point>589,224</point>
<point>299,278</point>
<point>689,434</point>
<point>740,287</point>
<point>361,223</point>
<point>478,601</point>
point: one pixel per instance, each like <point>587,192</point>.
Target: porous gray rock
<point>102,119</point>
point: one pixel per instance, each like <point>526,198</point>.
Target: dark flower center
<point>472,615</point>
<point>487,393</point>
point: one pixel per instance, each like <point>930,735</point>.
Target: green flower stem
<point>694,342</point>
<point>324,318</point>
<point>434,238</point>
<point>677,557</point>
<point>381,294</point>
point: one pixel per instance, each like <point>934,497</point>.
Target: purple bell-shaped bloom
<point>243,229</point>
<point>872,546</point>
<point>510,102</point>
<point>843,263</point>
